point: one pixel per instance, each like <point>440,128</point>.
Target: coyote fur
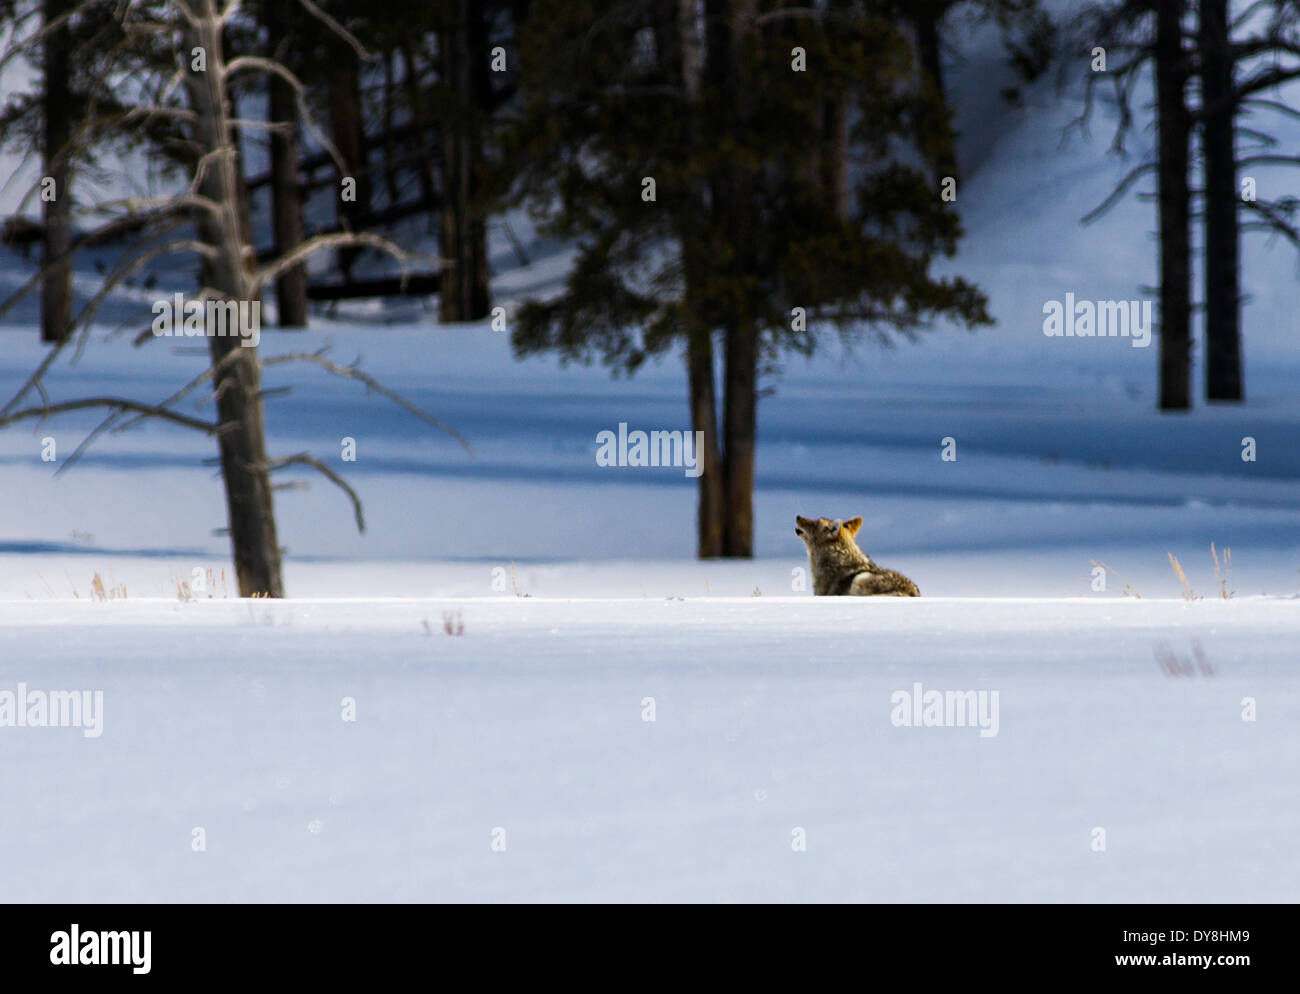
<point>840,568</point>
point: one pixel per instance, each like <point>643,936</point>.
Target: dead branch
<point>319,243</point>
<point>303,459</point>
<point>118,403</point>
<point>338,29</point>
<point>352,373</point>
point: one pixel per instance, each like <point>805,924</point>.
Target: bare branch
<point>118,403</point>
<point>1274,76</point>
<point>34,381</point>
<point>319,243</point>
<point>304,112</point>
<point>1269,160</point>
<point>1281,108</point>
<point>132,115</point>
<point>1117,194</point>
<point>142,209</point>
<point>352,373</point>
<point>247,62</point>
<point>303,459</point>
<point>86,442</point>
<point>1277,219</point>
<point>125,269</point>
<point>338,29</point>
<point>33,43</point>
<point>209,373</point>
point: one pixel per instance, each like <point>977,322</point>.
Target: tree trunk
<point>740,427</point>
<point>834,156</point>
<point>710,510</point>
<point>1173,125</point>
<point>286,201</point>
<point>734,204</point>
<point>463,234</point>
<point>390,145</point>
<point>347,130</point>
<point>680,53</point>
<point>420,123</point>
<point>1222,234</point>
<point>242,441</point>
<point>56,284</point>
<point>926,17</point>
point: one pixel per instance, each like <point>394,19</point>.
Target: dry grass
<point>1222,574</point>
<point>205,584</point>
<point>453,623</point>
<point>1224,580</point>
<point>1188,593</point>
<point>514,582</point>
<point>101,592</point>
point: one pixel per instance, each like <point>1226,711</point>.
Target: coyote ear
<point>852,525</point>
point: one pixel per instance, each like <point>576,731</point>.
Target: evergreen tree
<point>688,149</point>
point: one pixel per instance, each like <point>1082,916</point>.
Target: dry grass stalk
<point>453,623</point>
<point>1226,579</point>
<point>1188,593</point>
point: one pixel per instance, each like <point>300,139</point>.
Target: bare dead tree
<point>1236,73</point>
<point>1141,33</point>
<point>194,100</point>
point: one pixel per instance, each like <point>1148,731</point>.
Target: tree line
<point>741,180</point>
<point>1217,75</point>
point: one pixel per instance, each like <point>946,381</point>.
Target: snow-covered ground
<point>1049,477</point>
<point>1120,709</point>
<point>771,715</point>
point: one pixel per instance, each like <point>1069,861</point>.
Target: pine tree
<point>672,140</point>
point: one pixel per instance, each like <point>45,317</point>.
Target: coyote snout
<point>840,568</point>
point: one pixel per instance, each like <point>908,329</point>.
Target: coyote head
<point>824,532</point>
<point>832,553</point>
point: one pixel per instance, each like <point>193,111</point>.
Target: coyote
<point>840,568</point>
